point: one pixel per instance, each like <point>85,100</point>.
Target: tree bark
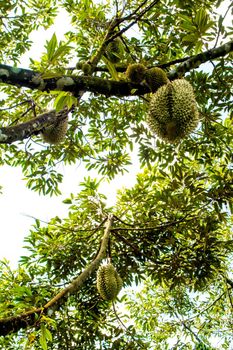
<point>80,84</point>
<point>32,127</point>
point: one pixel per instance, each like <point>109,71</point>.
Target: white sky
<point>17,200</point>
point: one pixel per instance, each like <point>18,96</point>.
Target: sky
<point>17,202</point>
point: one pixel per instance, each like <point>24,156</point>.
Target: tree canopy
<point>169,237</point>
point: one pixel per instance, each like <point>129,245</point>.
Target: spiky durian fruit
<point>86,68</point>
<point>55,133</point>
<point>173,112</point>
<point>136,72</point>
<point>114,50</point>
<point>155,78</point>
<point>109,282</point>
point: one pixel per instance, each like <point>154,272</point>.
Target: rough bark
<point>31,127</point>
<point>196,61</point>
<point>79,84</point>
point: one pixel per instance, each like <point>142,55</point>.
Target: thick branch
<point>15,323</point>
<point>78,85</point>
<point>22,131</point>
<point>196,61</point>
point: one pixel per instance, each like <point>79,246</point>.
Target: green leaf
<point>111,68</point>
<point>189,38</point>
<point>64,99</point>
<point>61,51</point>
<point>43,341</point>
<point>201,18</point>
<point>49,75</point>
<point>67,201</point>
<point>48,334</point>
<point>51,47</point>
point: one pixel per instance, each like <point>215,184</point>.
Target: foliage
<point>171,239</point>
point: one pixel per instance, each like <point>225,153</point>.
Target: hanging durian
<point>136,72</point>
<point>109,282</point>
<point>155,78</point>
<point>173,112</point>
<point>86,68</point>
<point>56,132</point>
<point>114,50</point>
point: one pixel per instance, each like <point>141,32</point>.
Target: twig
<point>191,331</point>
<point>93,230</point>
<point>228,291</point>
<point>15,105</point>
<point>124,326</point>
<point>204,310</point>
<point>219,29</point>
<point>123,222</point>
<point>133,22</point>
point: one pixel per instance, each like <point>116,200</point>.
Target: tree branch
<point>136,19</point>
<point>15,323</point>
<point>196,61</point>
<point>78,85</point>
<point>32,127</point>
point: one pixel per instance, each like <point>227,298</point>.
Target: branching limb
<point>196,61</point>
<point>135,16</point>
<point>24,130</point>
<point>15,323</point>
<point>78,85</point>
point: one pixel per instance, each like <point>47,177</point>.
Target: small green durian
<point>86,68</point>
<point>109,282</point>
<point>114,50</point>
<point>155,78</point>
<point>173,112</point>
<point>56,132</point>
<point>136,72</point>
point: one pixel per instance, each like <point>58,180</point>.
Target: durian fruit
<point>173,112</point>
<point>136,72</point>
<point>109,282</point>
<point>86,68</point>
<point>114,50</point>
<point>56,132</point>
<point>155,78</point>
